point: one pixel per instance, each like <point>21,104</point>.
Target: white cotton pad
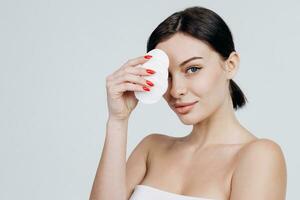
<point>160,64</point>
<point>152,96</point>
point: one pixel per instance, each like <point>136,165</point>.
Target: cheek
<point>211,86</point>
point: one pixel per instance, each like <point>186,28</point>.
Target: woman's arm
<point>260,173</point>
<point>110,179</point>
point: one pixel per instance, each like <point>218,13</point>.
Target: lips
<point>184,109</point>
<point>177,105</point>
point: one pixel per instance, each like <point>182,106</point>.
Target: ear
<point>232,64</point>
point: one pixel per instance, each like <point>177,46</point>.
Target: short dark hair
<point>207,26</point>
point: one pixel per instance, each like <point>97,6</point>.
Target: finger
<point>132,63</point>
<point>140,71</point>
<point>129,87</point>
<point>136,79</point>
<point>136,61</point>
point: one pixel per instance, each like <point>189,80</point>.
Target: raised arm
<point>110,179</point>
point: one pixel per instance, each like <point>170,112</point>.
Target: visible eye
<point>194,68</point>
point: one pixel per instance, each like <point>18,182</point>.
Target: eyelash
<point>192,67</point>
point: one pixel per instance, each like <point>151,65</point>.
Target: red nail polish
<point>145,88</point>
<point>150,71</point>
<point>147,56</point>
<point>149,83</point>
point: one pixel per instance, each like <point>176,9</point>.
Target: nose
<point>178,88</point>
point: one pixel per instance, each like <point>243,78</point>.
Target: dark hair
<point>207,26</point>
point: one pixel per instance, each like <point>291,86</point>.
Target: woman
<point>219,159</point>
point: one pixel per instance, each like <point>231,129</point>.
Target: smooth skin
<point>219,159</point>
<point>110,178</point>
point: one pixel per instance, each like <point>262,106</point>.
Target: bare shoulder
<point>137,162</point>
<point>260,150</point>
<point>260,171</point>
<point>157,136</point>
<point>151,142</point>
<point>156,139</point>
<point>157,144</point>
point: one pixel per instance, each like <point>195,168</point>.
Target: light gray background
<point>55,56</point>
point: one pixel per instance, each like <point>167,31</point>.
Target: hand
<point>120,87</point>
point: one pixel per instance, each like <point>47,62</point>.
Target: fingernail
<point>149,83</point>
<point>147,56</point>
<point>150,71</point>
<point>145,88</point>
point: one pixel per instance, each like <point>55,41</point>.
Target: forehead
<point>182,46</point>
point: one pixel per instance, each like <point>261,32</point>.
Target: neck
<point>222,127</point>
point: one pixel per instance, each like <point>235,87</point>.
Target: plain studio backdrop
<point>55,56</point>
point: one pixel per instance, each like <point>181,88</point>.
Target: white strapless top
<point>145,192</point>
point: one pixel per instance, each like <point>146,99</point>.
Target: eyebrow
<point>190,59</point>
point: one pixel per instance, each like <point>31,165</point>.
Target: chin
<point>190,118</point>
<point>187,122</point>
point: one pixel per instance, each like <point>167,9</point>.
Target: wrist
<point>117,125</point>
<point>117,119</point>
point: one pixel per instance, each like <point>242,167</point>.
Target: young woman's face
<point>203,79</point>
